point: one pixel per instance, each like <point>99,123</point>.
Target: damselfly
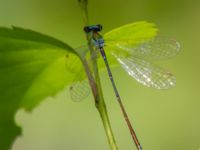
<point>134,54</point>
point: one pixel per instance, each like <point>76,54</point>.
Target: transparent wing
<point>154,49</point>
<point>147,73</point>
<point>79,89</point>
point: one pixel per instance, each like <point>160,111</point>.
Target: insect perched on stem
<point>134,55</point>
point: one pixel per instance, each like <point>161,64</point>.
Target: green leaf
<point>32,67</point>
<point>133,33</point>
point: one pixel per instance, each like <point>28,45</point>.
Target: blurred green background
<point>164,120</point>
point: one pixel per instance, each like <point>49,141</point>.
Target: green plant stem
<point>83,4</point>
<point>99,100</point>
<point>95,84</point>
<point>101,106</point>
<point>104,116</point>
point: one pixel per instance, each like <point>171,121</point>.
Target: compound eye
<point>87,29</point>
<point>99,27</point>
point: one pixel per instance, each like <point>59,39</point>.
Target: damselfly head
<point>94,28</point>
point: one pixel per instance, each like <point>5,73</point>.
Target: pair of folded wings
<point>135,58</point>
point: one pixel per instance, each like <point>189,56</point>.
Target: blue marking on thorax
<point>99,42</point>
